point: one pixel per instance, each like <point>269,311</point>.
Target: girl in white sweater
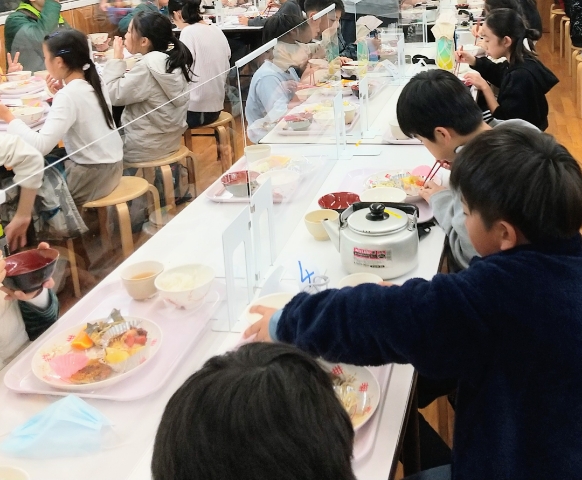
<point>80,115</point>
<point>211,54</point>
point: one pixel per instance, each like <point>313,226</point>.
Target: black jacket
<point>522,89</point>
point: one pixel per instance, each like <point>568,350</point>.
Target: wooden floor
<point>563,124</point>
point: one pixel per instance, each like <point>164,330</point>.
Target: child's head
<point>185,12</point>
<point>66,52</point>
<point>512,5</point>
<point>263,411</point>
<point>152,32</point>
<point>438,109</point>
<point>503,35</point>
<point>518,186</point>
<point>311,7</point>
<point>281,25</point>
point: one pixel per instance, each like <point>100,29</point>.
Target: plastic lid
<point>377,220</point>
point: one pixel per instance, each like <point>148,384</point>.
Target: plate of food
<point>409,181</point>
<point>22,86</point>
<point>97,354</point>
<point>357,389</point>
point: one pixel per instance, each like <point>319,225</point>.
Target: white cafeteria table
<point>128,455</point>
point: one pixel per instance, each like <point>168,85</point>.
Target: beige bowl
<point>349,111</point>
<point>313,222</point>
<point>42,74</point>
<point>185,286</point>
<point>396,131</point>
<point>18,76</point>
<point>139,279</point>
<point>98,38</point>
<point>28,115</point>
<point>358,279</point>
<point>33,99</point>
<point>254,153</point>
<point>13,473</point>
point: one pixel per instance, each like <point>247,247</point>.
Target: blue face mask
<point>69,427</point>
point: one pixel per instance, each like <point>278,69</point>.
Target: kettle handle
<point>408,208</point>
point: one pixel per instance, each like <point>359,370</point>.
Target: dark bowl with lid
<point>27,271</point>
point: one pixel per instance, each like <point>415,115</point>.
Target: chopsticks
<point>431,174</point>
<point>457,64</point>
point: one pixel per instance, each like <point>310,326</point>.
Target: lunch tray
<point>181,329</point>
<point>354,182</point>
<point>315,129</point>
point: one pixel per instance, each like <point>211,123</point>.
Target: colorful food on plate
<point>406,181</point>
<point>95,371</point>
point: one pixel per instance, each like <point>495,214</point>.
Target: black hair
<point>518,6</point>
<point>522,176</point>
<point>504,22</point>
<point>71,45</point>
<point>280,24</point>
<point>190,10</point>
<point>437,98</point>
<point>157,28</point>
<point>316,5</point>
<point>266,411</point>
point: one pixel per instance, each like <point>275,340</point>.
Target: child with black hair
<point>154,92</point>
<point>286,7</point>
<point>438,109</point>
<point>210,54</point>
<point>507,328</point>
<point>80,115</point>
<point>263,411</point>
<point>523,80</point>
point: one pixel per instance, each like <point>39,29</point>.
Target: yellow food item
<point>82,341</point>
<point>114,355</point>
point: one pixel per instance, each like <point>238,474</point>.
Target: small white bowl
<point>28,115</point>
<point>32,99</point>
<point>185,286</point>
<point>18,76</point>
<point>383,194</point>
<point>283,182</point>
<point>254,153</point>
<point>305,93</point>
<point>396,131</point>
<point>275,300</point>
<point>98,38</point>
<point>359,278</point>
<point>350,111</point>
<point>314,220</point>
<point>13,473</point>
<point>139,279</point>
<point>324,117</point>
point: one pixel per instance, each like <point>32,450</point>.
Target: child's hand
<point>344,60</point>
<point>464,57</point>
<point>5,113</point>
<point>243,20</point>
<point>430,189</point>
<point>475,79</point>
<point>16,231</point>
<point>13,65</point>
<point>118,48</point>
<point>261,328</point>
<point>17,294</point>
<point>53,84</point>
<point>476,30</point>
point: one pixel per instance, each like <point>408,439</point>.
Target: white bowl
<point>13,473</point>
<point>275,300</point>
<point>253,153</point>
<point>359,278</point>
<point>283,182</point>
<point>18,76</point>
<point>396,131</point>
<point>305,93</point>
<point>324,117</point>
<point>350,111</point>
<point>28,115</point>
<point>185,286</point>
<point>139,279</point>
<point>98,38</point>
<point>383,194</point>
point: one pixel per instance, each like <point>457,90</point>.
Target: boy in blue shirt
<point>508,328</point>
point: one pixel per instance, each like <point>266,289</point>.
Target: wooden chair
<point>578,85</point>
<point>555,12</point>
<point>571,51</point>
<point>226,141</point>
<point>164,164</point>
<point>563,39</point>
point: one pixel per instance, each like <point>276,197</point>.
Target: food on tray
<point>270,163</point>
<point>356,402</point>
<point>120,348</point>
<point>178,281</point>
<point>82,341</point>
<point>411,184</point>
<point>95,371</point>
<point>299,121</point>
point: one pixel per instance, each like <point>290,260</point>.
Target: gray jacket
<point>145,87</point>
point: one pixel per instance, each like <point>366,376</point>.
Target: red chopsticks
<point>431,174</point>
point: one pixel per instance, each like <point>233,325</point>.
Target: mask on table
<point>69,427</point>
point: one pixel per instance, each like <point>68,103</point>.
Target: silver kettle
<point>377,238</point>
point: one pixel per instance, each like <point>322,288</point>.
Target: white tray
<point>388,138</point>
<point>354,182</point>
<point>314,129</point>
<point>366,436</point>
<point>180,328</point>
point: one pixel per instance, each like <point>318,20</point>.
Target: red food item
<point>141,340</point>
<point>130,341</point>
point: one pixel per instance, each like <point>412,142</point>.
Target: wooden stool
<point>226,142</point>
<point>129,188</point>
<point>163,164</point>
<point>578,85</point>
<point>554,12</point>
<point>563,40</point>
<point>571,49</point>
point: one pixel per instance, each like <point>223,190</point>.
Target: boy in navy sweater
<point>508,328</point>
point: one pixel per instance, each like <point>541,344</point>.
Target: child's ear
<point>508,236</point>
<point>507,41</point>
<point>442,135</point>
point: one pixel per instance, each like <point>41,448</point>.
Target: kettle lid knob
<point>377,212</point>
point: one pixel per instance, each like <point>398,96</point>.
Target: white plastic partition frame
<point>262,218</point>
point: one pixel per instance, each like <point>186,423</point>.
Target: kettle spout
<point>332,228</point>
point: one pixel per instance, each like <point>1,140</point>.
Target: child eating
<point>507,328</point>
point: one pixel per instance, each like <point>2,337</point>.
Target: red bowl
<point>27,271</point>
<point>338,201</point>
